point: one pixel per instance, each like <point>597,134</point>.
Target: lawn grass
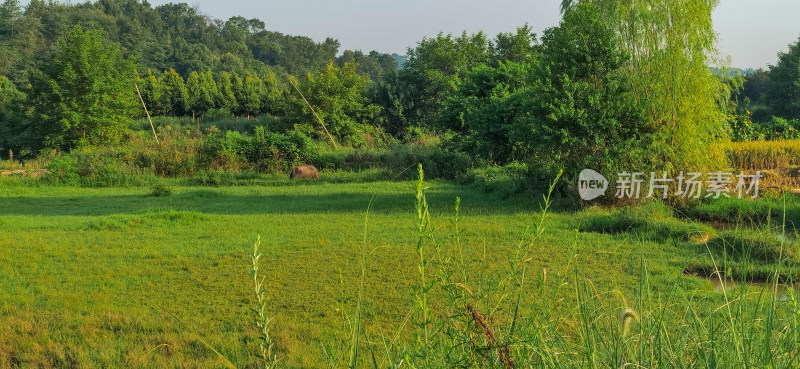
<point>118,278</point>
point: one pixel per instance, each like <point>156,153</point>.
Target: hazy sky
<point>751,32</point>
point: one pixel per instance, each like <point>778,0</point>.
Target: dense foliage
<point>600,90</point>
<point>769,102</point>
<point>581,111</point>
<point>84,95</point>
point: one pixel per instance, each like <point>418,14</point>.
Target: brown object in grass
<point>503,350</point>
<point>304,171</point>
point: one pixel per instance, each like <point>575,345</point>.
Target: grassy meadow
<point>147,221</point>
<point>117,277</point>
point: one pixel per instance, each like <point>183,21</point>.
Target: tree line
<point>602,89</point>
<point>175,36</point>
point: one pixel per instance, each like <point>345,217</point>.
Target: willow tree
<point>671,44</point>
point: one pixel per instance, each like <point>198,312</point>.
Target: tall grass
<point>762,155</point>
<point>463,317</point>
<point>266,346</point>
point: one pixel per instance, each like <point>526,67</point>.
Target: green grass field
<point>119,278</point>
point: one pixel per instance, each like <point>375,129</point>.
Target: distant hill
<point>400,59</point>
<point>734,71</point>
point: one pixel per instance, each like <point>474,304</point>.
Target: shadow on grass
<point>211,201</point>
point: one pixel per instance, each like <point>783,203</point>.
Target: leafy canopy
<point>85,95</point>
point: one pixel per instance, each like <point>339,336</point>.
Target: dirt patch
<point>35,173</point>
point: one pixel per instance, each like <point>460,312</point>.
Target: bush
<point>438,164</point>
<point>217,114</point>
<point>62,170</point>
<point>161,190</point>
<point>398,161</point>
<point>354,160</point>
<point>108,167</point>
<point>507,180</point>
<point>225,151</point>
<point>776,128</point>
<point>279,151</point>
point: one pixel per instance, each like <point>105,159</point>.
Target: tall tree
<point>783,84</point>
<point>10,12</point>
<point>226,92</point>
<point>85,95</point>
<point>274,101</point>
<point>433,70</point>
<point>153,91</point>
<point>671,44</point>
<point>580,111</point>
<point>518,47</point>
<point>484,108</point>
<point>250,93</point>
<point>338,97</point>
<point>202,92</point>
<point>374,65</point>
<point>175,96</point>
<point>12,129</point>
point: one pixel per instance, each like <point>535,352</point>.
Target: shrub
<point>161,190</point>
<point>399,161</point>
<point>225,151</point>
<point>279,151</point>
<point>353,160</point>
<point>217,114</point>
<point>107,167</point>
<point>438,164</point>
<point>62,170</point>
<point>776,128</point>
<point>510,179</point>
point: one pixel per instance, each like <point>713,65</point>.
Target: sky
<point>750,32</point>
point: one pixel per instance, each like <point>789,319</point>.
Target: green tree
<point>85,95</point>
<point>226,92</point>
<point>580,111</point>
<point>274,101</point>
<point>518,47</point>
<point>153,94</point>
<point>338,97</point>
<point>9,94</point>
<point>250,93</point>
<point>433,70</point>
<point>10,12</point>
<point>202,92</point>
<point>374,65</point>
<point>391,94</point>
<point>670,44</point>
<point>175,96</point>
<point>783,84</point>
<point>12,130</point>
<point>483,110</point>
